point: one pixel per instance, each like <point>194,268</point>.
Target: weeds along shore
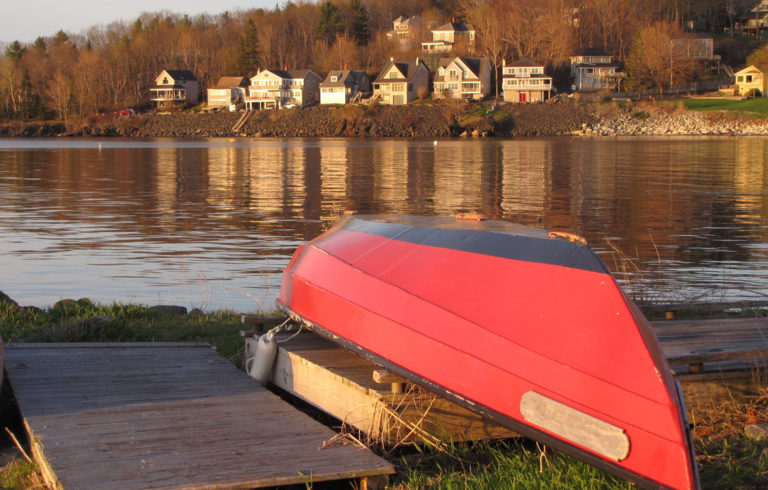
<point>731,438</point>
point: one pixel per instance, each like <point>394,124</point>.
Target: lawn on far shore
<point>757,107</point>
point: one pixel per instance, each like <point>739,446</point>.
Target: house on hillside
<point>593,70</point>
<point>275,89</point>
<point>343,86</point>
<point>448,36</point>
<point>756,18</point>
<point>525,81</point>
<point>175,87</point>
<point>401,82</point>
<point>750,80</point>
<point>463,78</point>
<point>228,91</point>
<point>405,30</point>
<point>698,47</point>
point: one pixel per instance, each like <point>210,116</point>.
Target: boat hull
<point>530,330</point>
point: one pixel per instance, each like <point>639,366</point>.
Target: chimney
<point>417,61</point>
<point>453,19</point>
<point>391,59</point>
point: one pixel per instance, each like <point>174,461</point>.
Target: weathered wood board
<point>342,384</point>
<point>716,360</point>
<point>167,416</point>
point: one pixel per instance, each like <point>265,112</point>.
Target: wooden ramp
<point>155,415</point>
<point>385,407</point>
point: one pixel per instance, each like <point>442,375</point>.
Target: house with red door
<point>524,80</point>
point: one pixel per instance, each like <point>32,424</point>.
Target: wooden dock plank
<point>342,383</point>
<point>154,416</point>
<point>713,340</point>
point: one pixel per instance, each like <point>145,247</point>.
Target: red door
<point>523,97</point>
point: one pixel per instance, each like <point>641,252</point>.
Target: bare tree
<point>490,20</point>
<point>653,62</point>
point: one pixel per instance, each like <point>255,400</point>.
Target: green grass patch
<point>757,107</point>
<point>20,474</point>
<point>510,464</point>
<point>82,321</point>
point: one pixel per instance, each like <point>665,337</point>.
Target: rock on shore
<point>666,121</point>
<point>429,120</point>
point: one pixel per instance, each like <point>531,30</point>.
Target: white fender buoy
<point>263,359</point>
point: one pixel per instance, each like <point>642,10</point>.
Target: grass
<point>727,457</point>
<point>757,107</point>
<point>83,321</point>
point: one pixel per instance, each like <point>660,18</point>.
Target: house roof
<point>229,82</point>
<point>181,74</point>
<point>290,74</point>
<point>407,69</point>
<point>342,77</point>
<point>749,69</point>
<point>522,62</point>
<point>597,65</point>
<point>593,52</point>
<point>475,65</point>
<point>455,26</point>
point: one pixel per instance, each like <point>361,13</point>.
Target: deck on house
<point>159,415</point>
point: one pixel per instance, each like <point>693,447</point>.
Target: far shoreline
<point>421,120</point>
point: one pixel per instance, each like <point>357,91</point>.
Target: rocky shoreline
<point>663,121</point>
<point>438,120</point>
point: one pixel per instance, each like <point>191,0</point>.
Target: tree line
<point>73,75</point>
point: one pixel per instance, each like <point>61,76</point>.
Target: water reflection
<point>211,223</point>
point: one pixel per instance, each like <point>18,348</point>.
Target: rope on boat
<point>276,330</point>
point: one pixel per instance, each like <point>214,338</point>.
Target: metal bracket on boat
<point>571,237</point>
<point>574,425</point>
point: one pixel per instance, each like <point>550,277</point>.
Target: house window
<point>334,78</point>
<point>590,70</point>
<point>740,78</point>
<point>165,81</point>
<point>749,78</point>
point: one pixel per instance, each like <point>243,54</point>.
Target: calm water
<point>211,223</point>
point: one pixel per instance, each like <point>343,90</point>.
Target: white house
<point>271,89</point>
<point>342,86</point>
<point>228,91</point>
<point>463,78</point>
<point>525,81</point>
<point>750,80</point>
<point>401,82</point>
<point>594,70</point>
<point>447,36</point>
<point>174,87</point>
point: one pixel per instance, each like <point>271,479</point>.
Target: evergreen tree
<point>329,22</point>
<point>249,50</point>
<point>361,31</point>
<point>14,52</point>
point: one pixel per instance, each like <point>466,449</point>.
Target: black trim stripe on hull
<point>507,245</point>
<point>516,425</point>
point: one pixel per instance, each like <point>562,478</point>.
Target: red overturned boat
<point>526,327</point>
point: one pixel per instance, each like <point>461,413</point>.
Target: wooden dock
<point>362,395</point>
<point>714,359</point>
<point>159,415</point>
